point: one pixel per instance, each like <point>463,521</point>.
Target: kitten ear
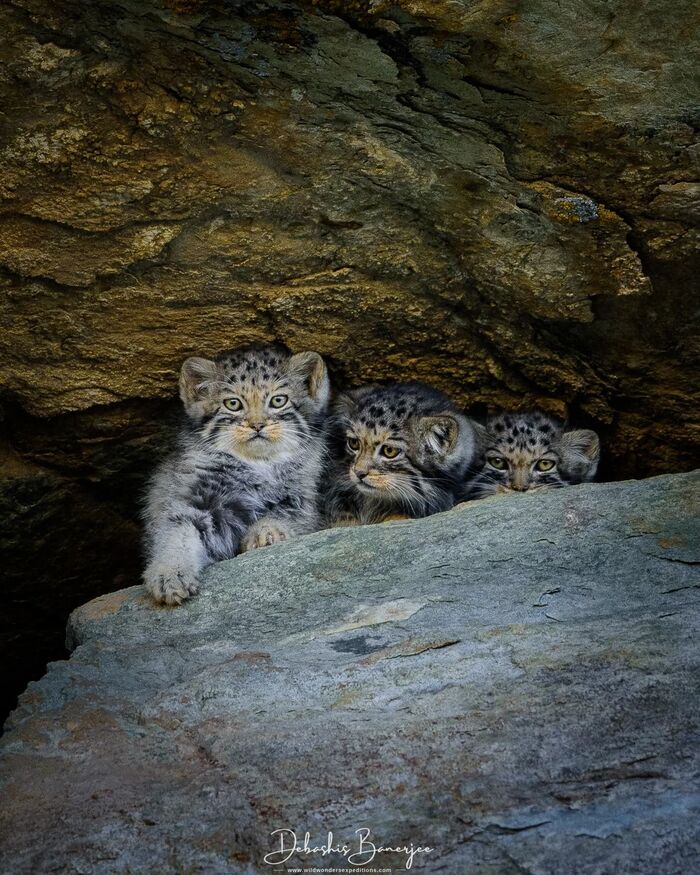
<point>312,369</point>
<point>196,375</point>
<point>449,437</point>
<point>343,404</point>
<point>579,453</point>
<point>481,435</point>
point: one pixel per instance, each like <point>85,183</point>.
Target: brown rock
<point>498,198</point>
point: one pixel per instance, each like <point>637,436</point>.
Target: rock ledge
<point>513,683</point>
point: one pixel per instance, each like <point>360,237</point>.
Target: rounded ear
<point>449,437</point>
<point>481,435</point>
<point>343,404</point>
<point>196,375</point>
<point>312,369</point>
<point>579,453</point>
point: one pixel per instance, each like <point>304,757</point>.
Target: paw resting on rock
<point>264,534</point>
<point>170,585</point>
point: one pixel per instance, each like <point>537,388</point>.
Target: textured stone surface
<point>498,196</point>
<point>513,683</point>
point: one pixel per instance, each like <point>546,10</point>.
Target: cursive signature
<point>359,854</point>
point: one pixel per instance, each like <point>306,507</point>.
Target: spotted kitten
<point>527,451</point>
<point>398,450</point>
<point>247,468</point>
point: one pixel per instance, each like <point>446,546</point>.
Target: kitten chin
<point>259,449</point>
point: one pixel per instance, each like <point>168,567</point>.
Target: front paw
<point>170,585</point>
<point>264,534</point>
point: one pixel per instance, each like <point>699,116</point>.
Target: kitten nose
<point>361,474</point>
<point>257,426</point>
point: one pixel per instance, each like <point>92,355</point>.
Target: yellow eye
<point>353,444</point>
<point>278,401</point>
<point>233,404</point>
<point>497,462</point>
<point>544,465</point>
<point>390,452</point>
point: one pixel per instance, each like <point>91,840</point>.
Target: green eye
<point>233,404</point>
<point>390,452</point>
<point>544,465</point>
<point>353,444</point>
<point>497,462</point>
<point>278,401</point>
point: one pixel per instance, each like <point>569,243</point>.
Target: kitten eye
<point>544,465</point>
<point>497,462</point>
<point>278,401</point>
<point>390,452</point>
<point>353,444</point>
<point>233,404</point>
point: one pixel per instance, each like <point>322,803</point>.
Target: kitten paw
<point>264,534</point>
<point>170,585</point>
<point>345,522</point>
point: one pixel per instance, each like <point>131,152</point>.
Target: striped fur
<point>398,450</point>
<point>247,468</point>
<point>526,451</point>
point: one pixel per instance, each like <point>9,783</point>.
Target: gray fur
<point>518,442</point>
<point>240,479</point>
<point>436,446</point>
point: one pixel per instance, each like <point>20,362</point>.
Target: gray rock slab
<point>513,684</point>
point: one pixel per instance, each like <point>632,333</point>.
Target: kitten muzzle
<point>361,482</point>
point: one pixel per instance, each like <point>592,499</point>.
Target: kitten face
<point>400,443</point>
<point>258,403</point>
<point>527,451</point>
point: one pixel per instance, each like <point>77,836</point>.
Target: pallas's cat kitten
<point>397,451</point>
<point>247,468</point>
<point>526,451</point>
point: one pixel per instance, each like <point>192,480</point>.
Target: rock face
<point>513,684</point>
<point>500,197</point>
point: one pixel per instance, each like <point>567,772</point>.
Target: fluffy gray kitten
<point>522,452</point>
<point>401,450</point>
<point>247,468</point>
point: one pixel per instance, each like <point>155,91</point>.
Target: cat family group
<point>266,454</point>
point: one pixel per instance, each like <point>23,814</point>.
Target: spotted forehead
<point>254,367</point>
<point>382,415</point>
<point>526,434</point>
<point>373,434</point>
